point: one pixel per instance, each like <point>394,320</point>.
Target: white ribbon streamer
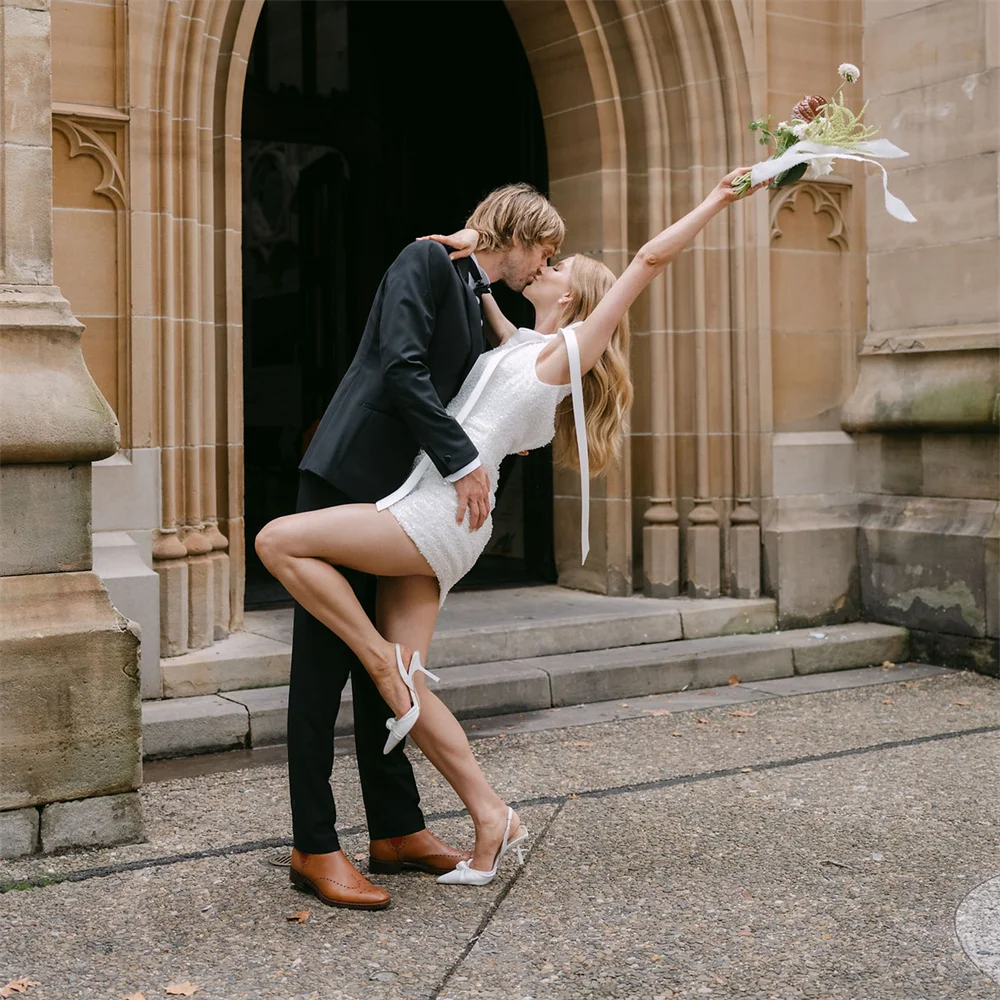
<point>807,152</point>
<point>580,421</point>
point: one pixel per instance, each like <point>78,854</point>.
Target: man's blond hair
<point>516,212</point>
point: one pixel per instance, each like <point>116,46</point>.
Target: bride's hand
<point>726,194</point>
<point>463,242</point>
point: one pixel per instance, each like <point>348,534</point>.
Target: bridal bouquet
<point>821,131</point>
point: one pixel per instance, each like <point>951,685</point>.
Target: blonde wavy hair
<point>607,387</point>
<point>517,212</point>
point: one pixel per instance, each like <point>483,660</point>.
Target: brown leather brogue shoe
<point>335,881</point>
<point>420,851</point>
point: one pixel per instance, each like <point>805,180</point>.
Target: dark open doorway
<point>359,135</point>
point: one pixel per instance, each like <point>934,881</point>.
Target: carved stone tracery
<point>82,139</point>
<point>826,198</point>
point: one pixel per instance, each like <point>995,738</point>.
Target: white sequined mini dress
<point>504,408</point>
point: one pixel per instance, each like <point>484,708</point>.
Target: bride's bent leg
<point>406,613</point>
<point>303,551</point>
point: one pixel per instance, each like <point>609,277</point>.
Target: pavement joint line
<point>84,874</point>
<point>491,912</point>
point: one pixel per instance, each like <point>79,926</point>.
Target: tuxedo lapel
<point>473,311</point>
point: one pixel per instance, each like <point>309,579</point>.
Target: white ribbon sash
<point>580,420</point>
<point>424,464</point>
<point>807,151</point>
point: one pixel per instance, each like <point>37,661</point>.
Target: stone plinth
<point>69,691</point>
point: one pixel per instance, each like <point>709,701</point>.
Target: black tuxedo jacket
<point>423,335</point>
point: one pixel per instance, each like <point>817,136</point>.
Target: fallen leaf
<point>624,704</point>
<point>888,701</point>
<point>299,917</point>
<point>656,711</point>
<point>500,736</point>
<point>703,722</point>
<point>676,734</point>
<point>360,856</point>
<point>826,937</point>
<point>962,704</point>
<point>21,985</point>
<point>134,996</point>
<point>887,664</point>
<point>582,743</point>
<point>734,680</point>
<point>180,989</point>
<point>737,730</point>
<point>746,715</point>
<point>745,770</point>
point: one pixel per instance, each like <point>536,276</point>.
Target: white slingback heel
<point>398,728</point>
<point>464,874</point>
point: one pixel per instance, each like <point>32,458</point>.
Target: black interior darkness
<point>367,123</point>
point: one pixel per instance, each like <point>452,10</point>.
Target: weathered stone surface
<point>725,616</point>
<point>923,562</point>
<point>101,821</point>
<point>18,833</point>
<point>960,652</point>
<point>45,527</point>
<point>936,391</point>
<point>177,726</point>
<point>267,709</point>
<point>655,669</point>
<point>50,408</point>
<point>69,691</point>
<point>844,647</point>
<point>173,575</point>
<point>242,660</point>
<point>801,534</point>
<point>491,688</point>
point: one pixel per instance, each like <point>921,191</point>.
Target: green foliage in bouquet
<point>783,138</point>
<point>838,125</point>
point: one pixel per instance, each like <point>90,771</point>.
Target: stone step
<point>256,717</point>
<point>475,628</point>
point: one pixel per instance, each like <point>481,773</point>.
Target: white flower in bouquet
<point>849,72</point>
<point>820,167</point>
<point>800,129</point>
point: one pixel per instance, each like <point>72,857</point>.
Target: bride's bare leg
<point>407,612</point>
<point>303,551</point>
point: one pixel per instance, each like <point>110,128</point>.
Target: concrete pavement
<point>737,842</point>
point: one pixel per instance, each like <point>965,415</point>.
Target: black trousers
<point>321,664</point>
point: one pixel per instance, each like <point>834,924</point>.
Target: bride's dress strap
<point>495,357</point>
<point>580,420</point>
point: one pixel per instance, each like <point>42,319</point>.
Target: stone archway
<point>639,104</point>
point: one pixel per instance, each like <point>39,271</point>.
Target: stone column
<point>69,690</point>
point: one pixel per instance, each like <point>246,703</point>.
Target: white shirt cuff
<point>471,467</point>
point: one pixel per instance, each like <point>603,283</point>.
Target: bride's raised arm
<point>594,333</point>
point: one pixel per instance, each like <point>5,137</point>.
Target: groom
<point>423,335</point>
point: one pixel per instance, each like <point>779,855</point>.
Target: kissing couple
<point>395,506</point>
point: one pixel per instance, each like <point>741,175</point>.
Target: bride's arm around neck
<point>501,327</point>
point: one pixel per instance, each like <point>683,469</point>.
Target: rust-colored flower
<point>808,108</point>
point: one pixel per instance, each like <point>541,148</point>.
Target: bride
<point>414,539</point>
